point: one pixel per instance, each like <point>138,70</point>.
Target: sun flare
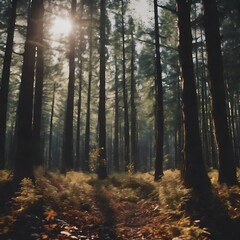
<point>61,26</point>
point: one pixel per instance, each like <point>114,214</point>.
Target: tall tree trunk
<point>79,164</point>
<point>238,119</point>
<point>125,96</point>
<point>134,157</point>
<point>237,126</point>
<point>24,145</point>
<point>179,131</point>
<point>210,149</point>
<point>159,101</point>
<point>194,173</point>
<point>227,166</point>
<point>101,170</point>
<point>5,82</point>
<point>50,154</point>
<point>38,155</point>
<point>67,151</point>
<point>87,132</point>
<point>116,122</point>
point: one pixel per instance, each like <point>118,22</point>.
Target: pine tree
<point>227,166</point>
<point>194,173</point>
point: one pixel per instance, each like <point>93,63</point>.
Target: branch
<point>169,47</point>
<point>173,11</point>
<point>145,41</point>
<point>19,54</point>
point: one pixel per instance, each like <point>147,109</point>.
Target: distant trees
<point>108,84</point>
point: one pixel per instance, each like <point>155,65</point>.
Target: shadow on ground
<point>107,229</point>
<point>212,214</point>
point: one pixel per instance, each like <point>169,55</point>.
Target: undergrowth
<point>151,209</point>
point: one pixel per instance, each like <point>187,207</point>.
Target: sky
<point>143,9</point>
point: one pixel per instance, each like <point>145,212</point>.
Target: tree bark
<point>24,156</point>
<point>101,170</point>
<point>194,173</point>
<point>134,157</point>
<point>79,162</point>
<point>158,101</point>
<point>125,96</point>
<point>67,157</point>
<point>87,132</point>
<point>227,166</point>
<point>116,122</point>
<point>50,154</point>
<point>38,155</point>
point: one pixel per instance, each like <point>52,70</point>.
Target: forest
<point>120,119</point>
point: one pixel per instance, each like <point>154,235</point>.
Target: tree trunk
<point>227,166</point>
<point>79,164</point>
<point>125,96</point>
<point>87,132</point>
<point>159,101</point>
<point>38,155</point>
<point>134,157</point>
<point>50,154</point>
<point>24,145</point>
<point>67,152</point>
<point>194,173</point>
<point>5,82</point>
<point>101,170</point>
<point>116,122</point>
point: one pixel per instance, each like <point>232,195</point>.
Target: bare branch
<point>168,8</point>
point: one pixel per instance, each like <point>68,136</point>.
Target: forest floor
<point>124,206</point>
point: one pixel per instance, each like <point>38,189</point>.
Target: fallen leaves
<point>50,214</point>
<point>120,208</point>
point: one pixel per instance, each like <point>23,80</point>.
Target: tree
<point>90,70</point>
<point>23,167</point>
<point>134,148</point>
<point>125,92</point>
<point>79,164</point>
<point>50,157</point>
<point>101,170</point>
<point>159,101</point>
<point>5,82</point>
<point>37,116</point>
<point>116,122</point>
<point>227,166</point>
<point>67,151</point>
<point>194,173</point>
